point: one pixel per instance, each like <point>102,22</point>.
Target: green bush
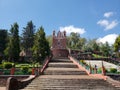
<point>99,70</point>
<point>30,71</point>
<point>82,61</point>
<point>19,73</point>
<point>6,72</point>
<point>118,72</point>
<point>8,65</point>
<point>113,70</point>
<point>25,69</point>
<point>23,65</point>
<point>1,66</point>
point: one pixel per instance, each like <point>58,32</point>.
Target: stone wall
<point>60,53</point>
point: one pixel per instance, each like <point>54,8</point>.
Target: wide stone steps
<point>63,65</point>
<point>64,71</point>
<point>69,84</point>
<point>62,74</point>
<point>61,60</point>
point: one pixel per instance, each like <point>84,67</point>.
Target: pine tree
<point>41,46</point>
<point>13,48</point>
<point>3,40</point>
<point>28,36</point>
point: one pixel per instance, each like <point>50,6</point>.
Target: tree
<point>3,40</point>
<point>106,49</point>
<point>90,45</point>
<point>74,38</point>
<point>74,41</point>
<point>28,36</point>
<point>49,39</point>
<point>13,47</point>
<point>96,46</point>
<point>41,46</point>
<point>117,46</point>
<point>80,43</point>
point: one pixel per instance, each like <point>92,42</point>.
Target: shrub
<point>1,66</point>
<point>8,65</point>
<point>113,70</point>
<point>30,71</point>
<point>6,72</point>
<point>99,70</point>
<point>82,61</point>
<point>19,73</point>
<point>118,72</point>
<point>25,69</point>
<point>23,65</point>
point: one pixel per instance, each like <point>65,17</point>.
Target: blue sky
<point>91,18</point>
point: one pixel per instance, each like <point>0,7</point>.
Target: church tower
<point>59,48</point>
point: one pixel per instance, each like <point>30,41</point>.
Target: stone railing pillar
<point>12,71</point>
<point>103,69</point>
<point>90,68</point>
<point>95,70</point>
<point>33,71</point>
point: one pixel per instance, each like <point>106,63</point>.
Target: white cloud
<point>108,14</point>
<point>103,23</point>
<point>107,24</point>
<point>111,25</point>
<point>71,28</point>
<point>108,38</point>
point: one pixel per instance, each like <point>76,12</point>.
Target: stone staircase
<point>62,74</point>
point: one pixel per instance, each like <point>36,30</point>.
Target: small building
<point>25,56</point>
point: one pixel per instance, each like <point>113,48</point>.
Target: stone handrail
<point>88,69</point>
<point>14,84</point>
<point>77,63</point>
<point>45,64</point>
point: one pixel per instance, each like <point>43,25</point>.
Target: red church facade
<point>59,44</point>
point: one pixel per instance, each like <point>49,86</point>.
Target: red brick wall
<point>59,44</point>
<point>60,52</point>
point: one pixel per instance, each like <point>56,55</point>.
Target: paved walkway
<point>99,64</point>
